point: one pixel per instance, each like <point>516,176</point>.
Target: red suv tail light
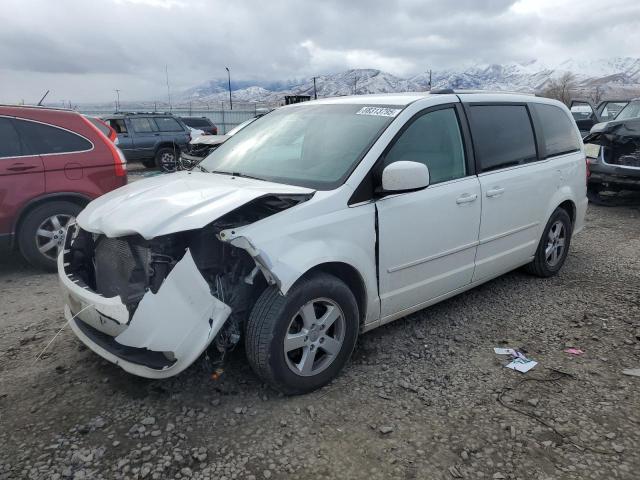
<point>119,161</point>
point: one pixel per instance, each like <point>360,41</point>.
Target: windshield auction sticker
<point>379,111</point>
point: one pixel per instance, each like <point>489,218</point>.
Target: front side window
<point>168,124</point>
<point>435,140</point>
<point>312,145</point>
<point>611,110</point>
<point>502,136</point>
<point>142,125</point>
<point>558,133</point>
<point>10,145</point>
<point>632,110</point>
<point>43,139</point>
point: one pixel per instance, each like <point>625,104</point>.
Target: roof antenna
<point>42,99</point>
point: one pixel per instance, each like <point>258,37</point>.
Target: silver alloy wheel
<point>314,337</point>
<point>51,233</point>
<point>168,161</point>
<point>556,239</point>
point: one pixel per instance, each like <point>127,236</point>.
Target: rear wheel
<point>43,231</point>
<point>167,158</point>
<point>299,342</point>
<point>554,245</point>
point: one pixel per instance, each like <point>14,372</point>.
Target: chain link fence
<point>224,119</point>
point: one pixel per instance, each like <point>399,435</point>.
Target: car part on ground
<point>613,150</point>
<point>297,243</point>
<point>52,163</point>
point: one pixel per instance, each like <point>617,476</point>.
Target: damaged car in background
<point>613,151</point>
<point>202,145</point>
<point>294,245</point>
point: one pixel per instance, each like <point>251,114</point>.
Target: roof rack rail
<point>442,91</point>
<point>142,113</point>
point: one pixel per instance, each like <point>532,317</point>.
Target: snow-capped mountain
<point>526,77</point>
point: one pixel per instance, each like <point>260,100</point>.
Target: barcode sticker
<point>379,111</point>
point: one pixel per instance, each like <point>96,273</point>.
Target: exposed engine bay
<point>135,270</point>
<point>621,140</point>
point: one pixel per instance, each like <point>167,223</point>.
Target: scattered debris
<point>385,429</point>
<point>574,351</point>
<point>633,372</point>
<point>519,362</point>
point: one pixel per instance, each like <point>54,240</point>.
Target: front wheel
<point>554,245</point>
<point>299,342</point>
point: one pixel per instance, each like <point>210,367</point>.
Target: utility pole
<point>430,80</point>
<point>315,92</point>
<point>166,72</point>
<point>355,84</point>
<point>230,99</point>
<point>117,99</point>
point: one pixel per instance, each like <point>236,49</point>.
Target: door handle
<point>495,192</point>
<point>20,168</point>
<point>466,198</point>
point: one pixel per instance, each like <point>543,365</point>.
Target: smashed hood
<point>173,203</point>
<point>615,131</point>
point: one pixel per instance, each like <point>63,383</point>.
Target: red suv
<point>52,163</point>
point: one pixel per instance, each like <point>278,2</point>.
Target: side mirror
<point>404,176</point>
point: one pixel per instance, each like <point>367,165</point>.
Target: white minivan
<point>320,221</point>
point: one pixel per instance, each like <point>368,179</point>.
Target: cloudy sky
<point>83,49</point>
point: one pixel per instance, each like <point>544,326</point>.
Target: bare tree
<point>596,95</point>
<point>561,88</point>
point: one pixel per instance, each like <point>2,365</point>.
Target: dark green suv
<point>155,139</point>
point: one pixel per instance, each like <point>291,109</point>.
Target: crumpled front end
<point>154,305</point>
<point>151,307</point>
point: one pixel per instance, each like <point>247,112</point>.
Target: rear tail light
<point>119,161</point>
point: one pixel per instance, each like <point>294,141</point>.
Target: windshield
<point>632,110</point>
<point>311,145</point>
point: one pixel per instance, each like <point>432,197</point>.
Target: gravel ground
<point>424,397</point>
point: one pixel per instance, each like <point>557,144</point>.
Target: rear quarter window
<point>168,124</point>
<point>43,139</point>
<point>502,135</point>
<point>10,144</point>
<point>196,122</point>
<point>558,131</point>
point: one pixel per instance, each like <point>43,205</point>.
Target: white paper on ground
<point>504,351</point>
<point>522,365</point>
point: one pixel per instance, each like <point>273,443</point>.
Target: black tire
<point>151,163</point>
<point>162,159</point>
<point>541,266</point>
<point>269,322</point>
<point>29,243</point>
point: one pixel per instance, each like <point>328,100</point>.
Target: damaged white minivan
<point>319,221</point>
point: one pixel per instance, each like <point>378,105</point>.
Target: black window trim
<point>361,193</point>
<point>93,146</point>
<point>537,125</point>
<point>537,141</point>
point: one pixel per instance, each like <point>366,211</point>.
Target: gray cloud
<point>84,49</point>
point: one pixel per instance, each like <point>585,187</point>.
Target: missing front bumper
<point>177,323</point>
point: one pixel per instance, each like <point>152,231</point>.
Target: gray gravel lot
<point>424,397</point>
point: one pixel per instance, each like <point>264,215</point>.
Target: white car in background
<point>320,221</point>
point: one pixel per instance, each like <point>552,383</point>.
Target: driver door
<point>428,238</point>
